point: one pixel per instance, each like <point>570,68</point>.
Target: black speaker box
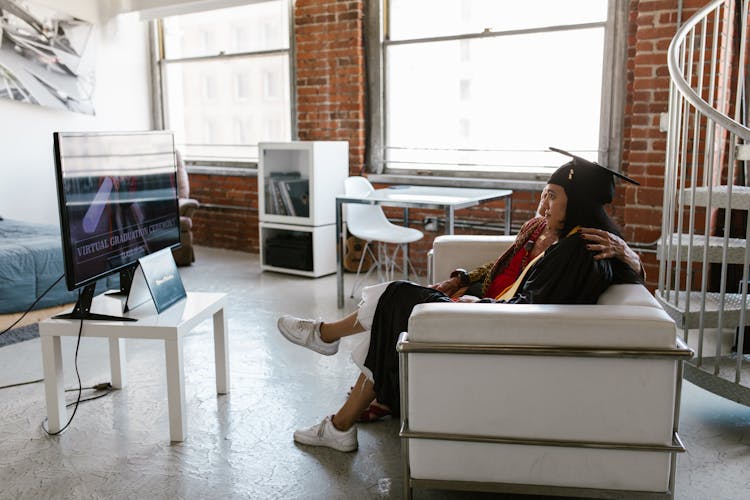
<point>290,251</point>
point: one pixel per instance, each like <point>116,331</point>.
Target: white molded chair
<point>369,223</point>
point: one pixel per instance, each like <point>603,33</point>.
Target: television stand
<point>82,309</point>
<point>126,281</point>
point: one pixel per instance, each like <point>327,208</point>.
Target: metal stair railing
<point>706,185</point>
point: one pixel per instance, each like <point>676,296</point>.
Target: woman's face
<point>552,206</point>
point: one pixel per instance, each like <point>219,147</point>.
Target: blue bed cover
<point>31,260</point>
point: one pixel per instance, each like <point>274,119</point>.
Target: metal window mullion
<point>607,85</point>
<point>291,60</point>
<point>156,42</point>
<point>384,36</point>
<point>616,31</point>
<point>223,56</point>
<point>496,34</point>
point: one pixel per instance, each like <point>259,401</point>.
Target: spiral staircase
<point>703,251</point>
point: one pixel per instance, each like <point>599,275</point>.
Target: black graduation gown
<point>567,274</point>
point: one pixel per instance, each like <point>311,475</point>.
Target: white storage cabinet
<point>297,186</point>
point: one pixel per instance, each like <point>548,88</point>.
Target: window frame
<point>612,99</point>
<point>160,97</point>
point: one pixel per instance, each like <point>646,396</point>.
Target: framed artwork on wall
<point>46,57</point>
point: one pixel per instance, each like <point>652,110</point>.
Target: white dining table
<point>431,197</point>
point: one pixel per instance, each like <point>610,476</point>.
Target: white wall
<point>122,101</point>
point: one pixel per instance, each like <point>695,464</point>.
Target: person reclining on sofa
<point>552,261</point>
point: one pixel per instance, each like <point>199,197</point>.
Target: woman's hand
<point>449,286</point>
<point>610,246</point>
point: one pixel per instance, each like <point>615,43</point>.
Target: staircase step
<point>719,197</point>
<point>687,313</point>
<point>735,248</point>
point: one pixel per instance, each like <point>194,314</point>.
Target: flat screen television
<point>117,199</point>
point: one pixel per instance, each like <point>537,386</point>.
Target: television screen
<point>117,194</point>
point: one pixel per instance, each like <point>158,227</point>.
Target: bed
<point>30,261</point>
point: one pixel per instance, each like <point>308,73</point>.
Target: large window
<point>483,87</point>
<point>225,78</point>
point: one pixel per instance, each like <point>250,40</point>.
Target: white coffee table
<point>170,326</point>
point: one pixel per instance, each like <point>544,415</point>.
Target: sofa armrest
<point>465,251</point>
<point>542,325</point>
<point>187,206</point>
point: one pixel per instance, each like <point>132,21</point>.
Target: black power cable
<point>106,386</point>
<point>78,400</point>
<point>21,383</point>
<point>103,386</point>
<point>80,386</point>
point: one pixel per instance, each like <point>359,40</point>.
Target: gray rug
<point>19,334</point>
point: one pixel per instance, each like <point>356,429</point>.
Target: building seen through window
<point>480,85</point>
<point>226,80</point>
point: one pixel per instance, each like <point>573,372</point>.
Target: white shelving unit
<point>297,187</point>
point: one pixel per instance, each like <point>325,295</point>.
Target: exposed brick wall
<point>331,93</point>
<point>331,78</point>
<point>231,228</point>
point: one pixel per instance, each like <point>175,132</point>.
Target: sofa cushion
<point>545,324</point>
<point>628,295</point>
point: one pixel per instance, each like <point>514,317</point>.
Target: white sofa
<point>544,399</point>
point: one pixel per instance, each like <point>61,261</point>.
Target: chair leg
<point>393,262</point>
<point>413,269</point>
<point>382,261</point>
<point>375,263</point>
<point>405,252</point>
<point>359,268</point>
<point>386,264</point>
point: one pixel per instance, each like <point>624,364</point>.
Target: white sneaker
<point>306,332</point>
<point>325,434</point>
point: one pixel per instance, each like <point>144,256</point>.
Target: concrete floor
<point>240,445</point>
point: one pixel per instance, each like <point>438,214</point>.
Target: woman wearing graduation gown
<point>552,261</point>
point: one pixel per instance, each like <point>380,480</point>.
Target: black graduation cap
<point>587,179</point>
